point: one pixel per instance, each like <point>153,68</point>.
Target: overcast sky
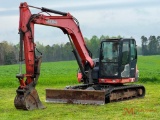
<point>97,17</point>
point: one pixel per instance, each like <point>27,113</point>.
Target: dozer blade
<point>75,96</point>
<point>28,100</point>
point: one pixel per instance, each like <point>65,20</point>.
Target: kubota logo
<point>51,21</point>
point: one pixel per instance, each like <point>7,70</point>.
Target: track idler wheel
<point>28,100</point>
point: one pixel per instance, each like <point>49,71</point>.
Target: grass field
<point>60,74</point>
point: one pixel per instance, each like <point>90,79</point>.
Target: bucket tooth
<point>75,96</point>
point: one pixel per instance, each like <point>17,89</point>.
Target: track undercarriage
<point>95,94</point>
<point>28,99</point>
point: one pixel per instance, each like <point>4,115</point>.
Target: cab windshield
<point>109,59</point>
<point>110,51</point>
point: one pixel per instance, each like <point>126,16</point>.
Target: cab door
<point>129,58</point>
<point>133,58</point>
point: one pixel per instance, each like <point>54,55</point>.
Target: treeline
<point>9,53</point>
<point>150,45</point>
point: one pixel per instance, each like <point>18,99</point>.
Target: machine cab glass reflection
<point>109,58</point>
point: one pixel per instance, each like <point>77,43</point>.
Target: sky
<point>128,18</point>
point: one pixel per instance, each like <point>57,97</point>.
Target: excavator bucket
<point>75,96</point>
<point>28,100</point>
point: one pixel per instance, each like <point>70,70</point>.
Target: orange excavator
<point>102,79</point>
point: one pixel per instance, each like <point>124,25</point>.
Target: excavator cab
<point>117,59</point>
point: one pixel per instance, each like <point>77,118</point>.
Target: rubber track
<point>125,87</point>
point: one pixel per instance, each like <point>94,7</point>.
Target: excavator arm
<point>66,22</point>
<point>27,96</point>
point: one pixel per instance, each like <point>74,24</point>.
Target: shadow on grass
<point>149,80</point>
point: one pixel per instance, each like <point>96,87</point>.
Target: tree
<point>7,53</point>
<point>144,45</point>
<point>158,39</point>
<point>1,54</point>
<point>94,46</point>
<point>139,50</point>
<point>10,58</point>
<point>153,45</point>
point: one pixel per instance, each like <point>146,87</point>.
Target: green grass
<point>60,74</point>
<point>149,69</point>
